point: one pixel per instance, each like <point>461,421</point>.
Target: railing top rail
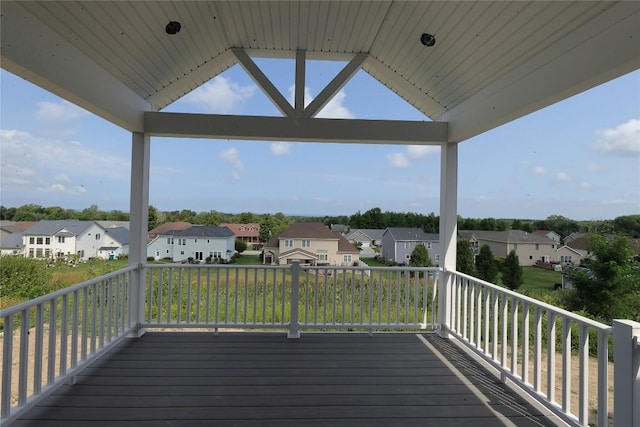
<point>65,291</point>
<point>556,310</point>
<point>362,267</point>
<point>218,266</point>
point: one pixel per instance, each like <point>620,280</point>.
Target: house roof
<point>344,246</point>
<point>511,236</point>
<point>579,243</point>
<point>491,63</point>
<point>16,226</point>
<point>246,230</point>
<point>12,241</point>
<point>113,224</point>
<point>169,226</point>
<point>370,233</point>
<point>202,231</point>
<point>308,230</point>
<point>412,234</point>
<point>73,227</point>
<point>119,234</point>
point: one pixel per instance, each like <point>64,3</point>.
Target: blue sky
<point>579,158</point>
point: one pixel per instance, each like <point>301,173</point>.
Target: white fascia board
<point>600,51</point>
<point>33,51</point>
<point>291,129</point>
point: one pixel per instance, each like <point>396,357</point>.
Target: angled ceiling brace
<point>264,83</point>
<point>335,85</point>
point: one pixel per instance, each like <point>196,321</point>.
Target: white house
<point>57,239</point>
<point>116,243</point>
<point>198,242</point>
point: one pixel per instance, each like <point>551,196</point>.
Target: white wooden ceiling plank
<point>370,17</point>
<point>416,20</point>
<point>384,43</point>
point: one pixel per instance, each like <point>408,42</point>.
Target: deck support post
<point>626,373</point>
<point>294,326</point>
<point>139,220</point>
<point>448,231</point>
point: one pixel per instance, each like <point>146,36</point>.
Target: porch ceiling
<point>492,62</point>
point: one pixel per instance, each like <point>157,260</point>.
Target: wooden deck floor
<point>199,379</point>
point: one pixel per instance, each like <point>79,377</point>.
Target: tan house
<point>247,233</point>
<point>529,247</point>
<point>310,243</point>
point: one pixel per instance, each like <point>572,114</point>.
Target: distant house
<point>366,237</point>
<point>197,242</point>
<point>471,238</point>
<point>566,255</point>
<point>529,247</point>
<point>247,233</point>
<point>579,244</point>
<point>166,227</point>
<point>116,243</point>
<point>548,233</point>
<point>340,228</point>
<point>398,243</point>
<point>58,239</point>
<point>310,243</point>
<point>11,244</point>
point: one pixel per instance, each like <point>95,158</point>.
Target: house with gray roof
<point>197,243</point>
<point>116,243</point>
<point>399,242</point>
<point>11,244</point>
<point>529,247</point>
<point>310,243</point>
<point>366,237</point>
<point>60,239</point>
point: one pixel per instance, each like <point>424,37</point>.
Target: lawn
<point>539,280</point>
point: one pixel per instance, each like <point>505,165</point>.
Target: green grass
<point>539,280</point>
<point>249,260</point>
<point>372,262</point>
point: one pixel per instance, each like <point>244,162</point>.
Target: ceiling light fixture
<point>173,27</point>
<point>428,39</point>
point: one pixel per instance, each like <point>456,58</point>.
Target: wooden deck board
<point>195,379</point>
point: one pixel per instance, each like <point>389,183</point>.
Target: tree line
<point>375,218</point>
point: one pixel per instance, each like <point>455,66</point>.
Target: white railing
<point>289,297</point>
<point>47,340</point>
<point>560,358</point>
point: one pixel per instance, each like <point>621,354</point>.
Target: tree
<point>610,287</point>
<point>511,271</point>
<point>420,257</point>
<point>372,219</point>
<point>464,258</point>
<point>486,265</point>
<point>153,218</point>
<point>240,246</point>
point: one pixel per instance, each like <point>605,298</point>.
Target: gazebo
<point>468,66</point>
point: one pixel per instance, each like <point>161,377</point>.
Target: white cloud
<point>398,160</point>
<point>62,111</point>
<point>413,152</point>
<point>586,186</point>
<point>232,157</point>
<point>221,95</point>
<point>562,177</point>
<point>624,139</point>
<point>59,188</point>
<point>30,162</point>
<point>334,109</point>
<point>594,167</point>
<point>280,148</point>
<point>539,170</point>
<point>421,151</point>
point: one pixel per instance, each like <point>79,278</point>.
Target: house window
<point>47,240</point>
<point>288,243</point>
<point>407,256</point>
<point>407,245</point>
<point>31,253</point>
<point>515,246</point>
<point>60,239</point>
<point>168,240</point>
<point>39,240</point>
<point>97,236</point>
<point>217,254</point>
<point>38,253</point>
<point>306,243</point>
<point>323,257</point>
<point>437,258</point>
<point>31,240</point>
<point>428,245</point>
<point>537,247</point>
<point>47,253</point>
<point>347,258</point>
<point>181,252</point>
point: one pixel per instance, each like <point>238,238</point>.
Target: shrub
<point>25,278</point>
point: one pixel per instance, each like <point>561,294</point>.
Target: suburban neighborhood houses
<point>398,244</point>
<point>310,243</point>
<point>198,243</point>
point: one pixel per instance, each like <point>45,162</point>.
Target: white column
<point>139,219</point>
<point>626,373</point>
<point>448,230</point>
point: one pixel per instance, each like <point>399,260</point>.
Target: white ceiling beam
<point>35,52</point>
<point>335,85</point>
<point>263,82</point>
<point>290,129</point>
<point>593,54</point>
<point>300,82</point>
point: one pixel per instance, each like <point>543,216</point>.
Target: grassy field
<point>539,280</point>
